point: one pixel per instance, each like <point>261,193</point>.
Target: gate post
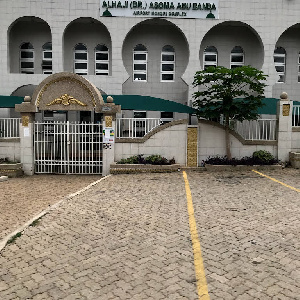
<point>27,111</point>
<point>109,111</point>
<point>284,115</point>
<point>108,147</point>
<point>26,142</point>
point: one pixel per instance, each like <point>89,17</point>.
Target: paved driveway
<point>128,237</point>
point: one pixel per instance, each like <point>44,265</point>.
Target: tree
<point>234,93</point>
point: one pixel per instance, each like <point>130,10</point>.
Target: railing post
<point>284,115</point>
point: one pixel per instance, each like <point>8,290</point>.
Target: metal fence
<point>135,127</point>
<point>9,127</point>
<point>64,147</point>
<point>296,116</point>
<point>257,130</point>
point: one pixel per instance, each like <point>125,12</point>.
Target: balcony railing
<point>135,127</point>
<point>9,127</point>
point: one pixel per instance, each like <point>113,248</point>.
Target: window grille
<point>167,63</point>
<point>101,60</point>
<point>140,58</point>
<point>47,58</point>
<point>80,59</point>
<point>237,57</point>
<point>279,61</point>
<point>27,58</point>
<point>210,57</point>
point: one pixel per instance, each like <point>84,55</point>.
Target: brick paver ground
<point>23,198</point>
<point>128,238</point>
<point>249,230</point>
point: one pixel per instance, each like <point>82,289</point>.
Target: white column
<point>284,114</point>
<point>26,144</point>
<point>108,148</point>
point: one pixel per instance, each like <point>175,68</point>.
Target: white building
<point>147,48</point>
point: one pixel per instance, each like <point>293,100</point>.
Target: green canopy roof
<point>135,102</point>
<point>269,108</point>
<point>10,101</point>
<point>138,102</point>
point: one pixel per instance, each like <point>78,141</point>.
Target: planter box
<point>221,168</point>
<point>11,170</point>
<point>140,168</point>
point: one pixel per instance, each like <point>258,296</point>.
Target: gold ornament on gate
<point>66,100</point>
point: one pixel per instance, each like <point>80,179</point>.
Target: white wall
<point>212,142</point>
<point>169,143</point>
<point>296,141</point>
<point>10,148</point>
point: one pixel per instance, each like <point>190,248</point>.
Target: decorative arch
<point>89,32</point>
<point>226,36</point>
<point>154,34</point>
<point>31,30</point>
<point>67,91</point>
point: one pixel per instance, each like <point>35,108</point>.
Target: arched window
<point>210,57</point>
<point>80,59</point>
<point>26,58</point>
<point>167,63</point>
<point>101,60</point>
<point>279,61</point>
<point>140,58</point>
<point>47,58</point>
<point>237,57</point>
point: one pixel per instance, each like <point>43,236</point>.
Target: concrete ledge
<point>140,168</point>
<point>221,168</point>
<point>295,160</point>
<point>10,140</point>
<point>11,170</point>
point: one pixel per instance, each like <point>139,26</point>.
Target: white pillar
<point>284,114</point>
<point>26,144</point>
<point>108,148</point>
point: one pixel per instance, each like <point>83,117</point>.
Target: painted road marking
<point>198,261</point>
<point>286,185</point>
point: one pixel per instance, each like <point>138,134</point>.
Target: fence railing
<point>296,115</point>
<point>257,130</point>
<point>9,127</point>
<point>135,127</point>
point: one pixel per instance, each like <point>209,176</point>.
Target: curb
<point>4,241</point>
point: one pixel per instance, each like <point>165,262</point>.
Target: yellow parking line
<point>286,185</point>
<point>198,261</point>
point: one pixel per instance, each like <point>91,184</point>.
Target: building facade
<point>147,48</point>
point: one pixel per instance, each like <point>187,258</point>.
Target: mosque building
<point>139,49</point>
